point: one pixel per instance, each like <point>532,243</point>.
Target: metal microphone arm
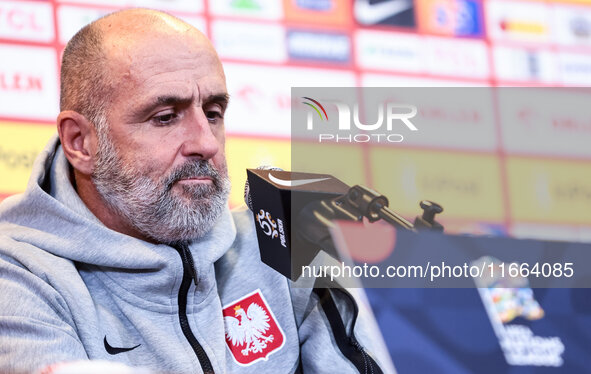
<point>371,204</point>
<point>359,201</point>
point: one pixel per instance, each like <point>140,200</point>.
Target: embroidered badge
<point>252,331</point>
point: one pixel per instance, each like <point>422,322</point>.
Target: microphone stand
<point>368,203</point>
<point>357,203</point>
<point>315,220</point>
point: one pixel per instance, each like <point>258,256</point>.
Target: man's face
<point>160,165</point>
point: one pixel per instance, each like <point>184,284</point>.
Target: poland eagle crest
<point>252,332</point>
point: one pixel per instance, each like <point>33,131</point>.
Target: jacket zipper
<point>189,274</point>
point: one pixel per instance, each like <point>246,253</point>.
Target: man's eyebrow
<point>221,99</point>
<point>175,100</point>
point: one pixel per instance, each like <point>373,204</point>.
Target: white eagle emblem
<point>252,330</point>
<point>249,327</point>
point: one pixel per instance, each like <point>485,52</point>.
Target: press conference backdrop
<point>268,46</point>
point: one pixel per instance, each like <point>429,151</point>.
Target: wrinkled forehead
<point>148,35</point>
<point>129,50</point>
<point>139,58</point>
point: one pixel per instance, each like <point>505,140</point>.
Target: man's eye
<point>213,115</point>
<point>165,119</point>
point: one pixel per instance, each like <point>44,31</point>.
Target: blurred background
<point>531,178</point>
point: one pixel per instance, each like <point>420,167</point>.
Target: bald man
<point>122,247</point>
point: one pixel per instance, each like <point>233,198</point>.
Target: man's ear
<point>77,136</point>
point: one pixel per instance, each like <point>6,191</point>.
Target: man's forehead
<point>137,57</point>
<point>145,51</point>
<point>151,60</point>
<point>134,31</point>
<point>155,46</point>
<point>154,41</point>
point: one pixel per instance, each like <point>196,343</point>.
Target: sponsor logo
<point>317,5</point>
<point>390,51</point>
<point>252,331</point>
<point>245,4</point>
<point>271,228</point>
<point>522,27</point>
<point>116,350</point>
<point>580,27</point>
<point>572,25</point>
<point>28,82</point>
<point>532,64</point>
<point>573,192</point>
<point>520,21</point>
<point>294,183</point>
<point>533,124</point>
<point>384,12</point>
<point>26,21</point>
<point>13,159</point>
<point>268,9</point>
<point>505,299</point>
<point>325,12</point>
<point>575,68</point>
<point>19,146</point>
<point>467,58</point>
<point>262,94</point>
<point>445,184</point>
<point>450,17</point>
<point>250,41</point>
<point>401,112</point>
<point>20,82</point>
<point>318,46</point>
<point>551,191</point>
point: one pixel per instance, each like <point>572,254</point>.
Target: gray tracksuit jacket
<point>71,289</point>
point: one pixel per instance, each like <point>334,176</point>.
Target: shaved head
<point>87,85</point>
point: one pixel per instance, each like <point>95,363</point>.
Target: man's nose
<point>199,137</point>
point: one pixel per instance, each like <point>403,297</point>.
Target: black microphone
<point>289,230</point>
<point>294,213</point>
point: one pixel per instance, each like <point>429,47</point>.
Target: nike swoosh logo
<point>368,14</point>
<point>116,350</point>
<point>294,183</point>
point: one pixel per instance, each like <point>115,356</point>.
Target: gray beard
<point>151,207</point>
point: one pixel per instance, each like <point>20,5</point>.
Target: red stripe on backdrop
<point>26,121</point>
<point>502,157</point>
<point>56,44</point>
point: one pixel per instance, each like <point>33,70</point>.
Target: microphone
<point>294,213</point>
<point>289,232</point>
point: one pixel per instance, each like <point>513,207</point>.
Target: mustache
<point>193,169</point>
